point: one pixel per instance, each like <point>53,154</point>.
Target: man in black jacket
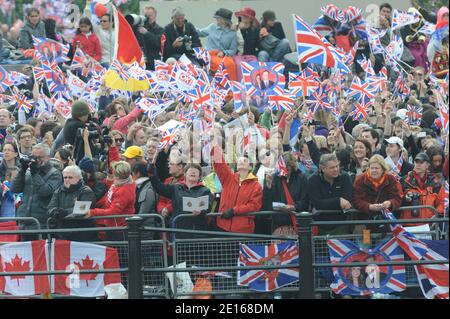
<point>80,116</point>
<point>177,33</point>
<point>151,32</point>
<point>329,189</point>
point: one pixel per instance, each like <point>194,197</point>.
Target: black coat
<point>63,201</point>
<point>298,188</point>
<point>176,192</point>
<point>324,196</point>
<point>172,33</point>
<point>251,40</point>
<point>70,130</point>
<point>152,42</point>
<point>276,30</point>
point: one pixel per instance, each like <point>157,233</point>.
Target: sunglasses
<point>418,74</point>
<point>119,140</point>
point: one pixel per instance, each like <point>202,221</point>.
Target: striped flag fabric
<point>401,19</point>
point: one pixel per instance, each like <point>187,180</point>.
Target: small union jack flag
<point>281,169</point>
<point>222,78</point>
<point>239,95</point>
<point>47,49</point>
<point>360,111</point>
<point>18,78</point>
<point>121,69</point>
<point>202,54</point>
<point>302,85</point>
<point>5,80</point>
<point>413,114</point>
<point>318,100</point>
<point>314,48</point>
<point>200,96</point>
<point>282,102</point>
<point>23,103</point>
<point>361,90</point>
<point>401,19</point>
<point>282,254</point>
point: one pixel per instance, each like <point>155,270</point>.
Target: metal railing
<point>138,269</point>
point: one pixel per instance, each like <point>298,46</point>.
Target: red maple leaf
<point>87,264</point>
<point>16,265</point>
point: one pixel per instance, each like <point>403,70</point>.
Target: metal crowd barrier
<point>145,262</point>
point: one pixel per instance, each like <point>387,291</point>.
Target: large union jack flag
<point>282,102</point>
<point>313,48</point>
<point>200,96</point>
<point>365,281</point>
<point>282,254</point>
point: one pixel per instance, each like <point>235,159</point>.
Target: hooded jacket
<point>241,196</point>
<point>27,33</point>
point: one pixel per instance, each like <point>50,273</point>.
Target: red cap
<point>246,12</point>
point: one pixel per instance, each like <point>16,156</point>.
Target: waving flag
<point>75,84</point>
<point>322,25</point>
<point>427,28</point>
<point>202,54</point>
<point>401,88</point>
<point>5,80</point>
<point>18,78</point>
<point>314,48</point>
<point>413,114</point>
<point>53,51</point>
<point>126,47</point>
<point>365,281</point>
<point>361,90</point>
<point>56,81</point>
<point>200,96</point>
<point>252,69</point>
<point>83,256</point>
<point>39,74</point>
<point>350,56</point>
<point>22,101</point>
<point>366,65</point>
<point>401,19</point>
<point>169,132</point>
<point>24,256</point>
<point>360,111</point>
<point>153,107</point>
<point>120,69</point>
<point>374,35</point>
<point>282,254</point>
<point>395,47</point>
<point>44,104</point>
<point>239,95</point>
<point>187,65</point>
<point>281,169</point>
<point>318,100</point>
<point>282,102</point>
<point>302,85</point>
<point>222,78</point>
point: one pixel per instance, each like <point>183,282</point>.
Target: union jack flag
<point>395,49</point>
<point>47,49</point>
<point>282,254</point>
<point>397,169</point>
<point>187,64</point>
<point>121,69</point>
<point>282,102</point>
<point>54,77</point>
<point>219,95</point>
<point>203,78</point>
<point>5,80</point>
<point>222,78</point>
<point>200,96</point>
<point>322,25</point>
<point>443,114</point>
<point>23,103</point>
<point>168,137</point>
<point>39,74</point>
<point>413,114</point>
<point>361,90</point>
<point>152,107</point>
<point>401,19</point>
<point>446,204</point>
<point>239,95</point>
<point>352,281</point>
<point>350,56</point>
<point>374,35</point>
<point>202,54</point>
<point>281,169</point>
<point>318,100</point>
<point>359,111</point>
<point>366,65</point>
<point>18,78</point>
<point>44,104</point>
<point>301,84</point>
<point>249,71</point>
<point>427,28</point>
<point>441,85</point>
<point>401,88</point>
<point>313,48</point>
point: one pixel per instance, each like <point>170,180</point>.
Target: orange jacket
<point>242,196</point>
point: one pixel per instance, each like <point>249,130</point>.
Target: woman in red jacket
<point>241,194</point>
<point>87,40</point>
<point>119,200</point>
<point>376,189</point>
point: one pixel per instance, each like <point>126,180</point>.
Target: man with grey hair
<point>37,180</point>
<point>181,37</point>
<point>63,200</point>
<point>330,189</point>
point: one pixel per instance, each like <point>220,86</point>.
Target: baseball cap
<point>395,140</point>
<point>133,151</point>
<point>423,157</point>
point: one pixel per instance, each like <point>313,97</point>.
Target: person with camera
<point>181,37</point>
<point>151,33</point>
<point>63,201</point>
<point>422,188</point>
<point>80,116</point>
<point>37,180</point>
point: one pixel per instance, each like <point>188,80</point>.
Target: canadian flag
<point>83,256</point>
<point>24,256</point>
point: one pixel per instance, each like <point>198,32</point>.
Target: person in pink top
<point>87,40</point>
<point>118,116</point>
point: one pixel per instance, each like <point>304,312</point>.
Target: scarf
<point>420,181</point>
<point>121,182</point>
<point>307,162</point>
<point>376,182</point>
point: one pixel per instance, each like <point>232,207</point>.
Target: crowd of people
<point>113,159</point>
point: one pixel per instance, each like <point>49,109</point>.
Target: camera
<point>92,129</point>
<point>186,41</point>
<point>26,160</point>
<point>415,202</point>
<point>135,20</point>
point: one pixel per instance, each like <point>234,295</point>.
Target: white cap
<point>402,114</point>
<point>395,140</point>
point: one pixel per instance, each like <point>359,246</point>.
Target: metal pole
<point>306,280</point>
<point>135,282</point>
